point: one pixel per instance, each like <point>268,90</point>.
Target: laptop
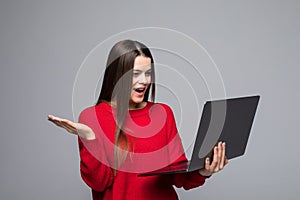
<point>226,120</point>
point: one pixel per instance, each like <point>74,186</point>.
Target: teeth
<point>139,89</point>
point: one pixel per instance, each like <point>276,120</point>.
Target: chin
<point>136,100</point>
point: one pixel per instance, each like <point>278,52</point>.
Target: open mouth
<point>139,90</point>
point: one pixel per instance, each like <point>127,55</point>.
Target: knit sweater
<point>153,142</point>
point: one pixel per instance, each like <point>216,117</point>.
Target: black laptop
<point>226,120</point>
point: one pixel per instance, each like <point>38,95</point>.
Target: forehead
<point>142,63</point>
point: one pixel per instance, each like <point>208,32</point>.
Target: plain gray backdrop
<point>255,45</point>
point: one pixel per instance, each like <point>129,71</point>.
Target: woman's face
<point>141,80</point>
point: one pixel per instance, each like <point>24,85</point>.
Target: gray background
<point>42,44</point>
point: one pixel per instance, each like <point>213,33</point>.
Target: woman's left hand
<point>218,162</point>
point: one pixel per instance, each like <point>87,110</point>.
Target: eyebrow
<point>138,70</point>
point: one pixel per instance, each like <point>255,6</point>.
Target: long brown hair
<point>117,86</point>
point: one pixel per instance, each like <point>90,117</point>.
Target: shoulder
<point>86,113</point>
<point>92,111</point>
<point>164,105</point>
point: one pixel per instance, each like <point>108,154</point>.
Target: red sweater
<point>154,143</point>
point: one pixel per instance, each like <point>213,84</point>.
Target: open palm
<point>79,129</point>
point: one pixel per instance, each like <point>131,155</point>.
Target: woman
<point>125,134</point>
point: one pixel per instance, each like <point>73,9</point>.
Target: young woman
<point>125,134</point>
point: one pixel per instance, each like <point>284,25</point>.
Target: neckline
<point>136,112</point>
<point>140,107</point>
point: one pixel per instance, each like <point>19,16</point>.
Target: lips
<point>139,90</point>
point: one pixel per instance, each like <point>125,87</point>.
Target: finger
<point>69,123</point>
<point>69,128</point>
<point>53,118</point>
<point>66,127</point>
<point>219,155</point>
<point>57,123</point>
<point>63,122</point>
<point>215,160</point>
<point>222,163</point>
<point>207,163</point>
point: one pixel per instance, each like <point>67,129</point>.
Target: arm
<point>186,180</point>
<point>196,178</point>
<point>92,152</point>
<point>95,174</point>
<point>176,154</point>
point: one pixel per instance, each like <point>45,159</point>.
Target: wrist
<point>92,137</point>
<point>87,136</point>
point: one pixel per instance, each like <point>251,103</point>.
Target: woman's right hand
<point>79,129</point>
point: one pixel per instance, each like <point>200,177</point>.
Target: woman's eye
<point>148,73</point>
<point>136,74</point>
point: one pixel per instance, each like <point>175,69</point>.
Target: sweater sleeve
<point>95,174</point>
<point>186,180</point>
